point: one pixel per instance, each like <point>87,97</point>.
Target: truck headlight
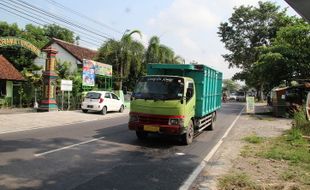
<point>134,118</point>
<point>175,121</point>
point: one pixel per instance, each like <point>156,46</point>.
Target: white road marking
<point>180,154</point>
<point>186,185</point>
<point>67,147</point>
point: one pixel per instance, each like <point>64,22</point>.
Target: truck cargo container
<point>176,99</point>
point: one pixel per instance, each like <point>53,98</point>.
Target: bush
<point>301,122</point>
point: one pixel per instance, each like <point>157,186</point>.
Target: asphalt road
<point>103,155</point>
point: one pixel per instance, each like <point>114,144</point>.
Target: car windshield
<point>93,95</point>
<point>162,88</point>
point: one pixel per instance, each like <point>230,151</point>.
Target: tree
<point>288,57</point>
<point>247,29</point>
<point>230,85</point>
<point>55,31</point>
<point>159,53</point>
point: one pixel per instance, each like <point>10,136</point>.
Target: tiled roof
<point>8,71</point>
<point>78,52</point>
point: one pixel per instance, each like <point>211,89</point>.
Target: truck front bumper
<point>155,124</point>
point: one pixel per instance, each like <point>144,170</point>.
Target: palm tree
<point>122,54</point>
<point>159,53</point>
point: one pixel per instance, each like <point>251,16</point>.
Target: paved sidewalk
<point>26,121</point>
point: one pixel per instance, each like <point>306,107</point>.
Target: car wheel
<point>84,111</point>
<point>188,137</point>
<point>141,135</point>
<point>104,110</point>
<point>121,109</point>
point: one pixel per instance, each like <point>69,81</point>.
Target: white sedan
<point>102,101</point>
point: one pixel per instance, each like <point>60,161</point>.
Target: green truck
<point>175,99</point>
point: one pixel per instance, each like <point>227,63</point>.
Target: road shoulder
<point>222,161</point>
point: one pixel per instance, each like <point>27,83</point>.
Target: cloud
<point>190,28</point>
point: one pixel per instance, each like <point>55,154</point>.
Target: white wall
<point>61,56</point>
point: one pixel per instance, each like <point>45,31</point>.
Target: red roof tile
<point>78,52</point>
<point>8,71</point>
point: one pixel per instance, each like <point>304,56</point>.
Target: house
<point>67,52</point>
<point>8,76</point>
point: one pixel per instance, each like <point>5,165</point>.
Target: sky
<point>189,27</point>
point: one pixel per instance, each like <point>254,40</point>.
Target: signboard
<point>11,41</point>
<point>103,69</point>
<point>66,85</point>
<point>88,73</point>
<point>250,104</point>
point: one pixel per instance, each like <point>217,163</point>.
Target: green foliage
<point>159,53</point>
<point>126,57</point>
<point>254,139</point>
<point>248,31</point>
<point>301,122</point>
<point>22,58</point>
<point>288,56</point>
<point>55,31</point>
<point>236,180</point>
<point>230,85</point>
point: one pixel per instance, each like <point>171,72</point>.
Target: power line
<point>38,17</point>
<point>82,15</point>
<point>49,14</point>
<point>38,22</point>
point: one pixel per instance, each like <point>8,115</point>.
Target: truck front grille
<point>153,120</point>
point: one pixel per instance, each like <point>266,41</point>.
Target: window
<point>107,95</point>
<point>114,96</point>
<point>2,88</point>
<point>189,91</point>
<point>93,95</point>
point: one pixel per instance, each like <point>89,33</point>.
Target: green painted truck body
<point>196,95</point>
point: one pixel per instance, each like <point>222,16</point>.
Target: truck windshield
<point>161,88</point>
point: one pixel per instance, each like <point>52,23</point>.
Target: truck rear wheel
<point>212,124</point>
<point>141,135</point>
<point>188,137</point>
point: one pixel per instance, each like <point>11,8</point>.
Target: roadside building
<point>9,77</point>
<point>67,52</point>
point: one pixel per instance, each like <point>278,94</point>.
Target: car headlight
<point>175,121</point>
<point>134,118</point>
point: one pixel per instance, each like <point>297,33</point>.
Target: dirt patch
<point>233,156</point>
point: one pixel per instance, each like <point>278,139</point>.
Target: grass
<point>236,180</point>
<point>254,139</point>
<point>301,122</point>
<point>290,149</point>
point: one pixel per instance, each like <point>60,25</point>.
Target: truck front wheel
<point>188,137</point>
<point>141,135</point>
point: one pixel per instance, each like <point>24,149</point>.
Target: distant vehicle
<point>102,101</point>
<point>175,99</point>
<point>240,97</point>
<point>233,96</point>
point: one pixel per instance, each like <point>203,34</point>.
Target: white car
<point>102,101</point>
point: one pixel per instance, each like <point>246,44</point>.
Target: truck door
<point>190,102</point>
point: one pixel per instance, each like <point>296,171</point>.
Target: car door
<point>108,101</point>
<point>116,102</point>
